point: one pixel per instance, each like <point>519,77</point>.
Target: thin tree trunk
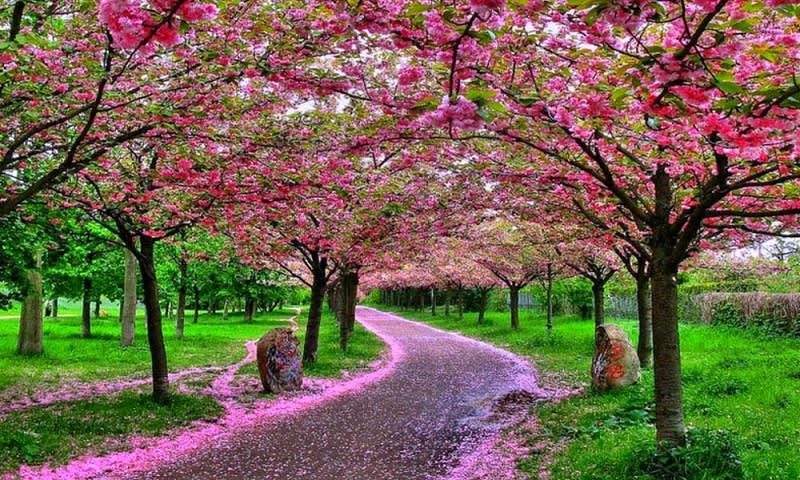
<point>482,303</point>
<point>318,287</point>
<point>670,428</point>
<point>55,308</point>
<point>128,310</point>
<point>155,336</point>
<point>460,303</point>
<point>433,302</point>
<point>97,308</point>
<point>30,319</point>
<point>447,302</point>
<point>249,309</point>
<point>348,286</point>
<point>86,309</point>
<point>549,297</point>
<point>598,292</point>
<point>514,306</point>
<point>180,315</point>
<point>196,292</point>
<point>644,306</point>
<point>225,307</point>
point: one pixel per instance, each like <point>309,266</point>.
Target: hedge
<point>776,313</point>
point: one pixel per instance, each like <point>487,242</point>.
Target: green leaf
<point>730,88</point>
<point>480,96</point>
<point>497,107</point>
<point>427,103</point>
<point>484,37</point>
<point>618,95</point>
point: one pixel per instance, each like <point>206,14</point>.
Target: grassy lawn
<point>67,357</point>
<point>56,433</point>
<point>740,381</point>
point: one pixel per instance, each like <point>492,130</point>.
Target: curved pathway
<point>436,406</point>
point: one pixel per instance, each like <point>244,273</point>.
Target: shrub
<point>708,454</point>
<point>777,314</point>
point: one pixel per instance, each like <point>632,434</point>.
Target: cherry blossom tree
<point>673,119</point>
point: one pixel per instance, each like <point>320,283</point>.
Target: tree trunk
<point>249,309</point>
<point>196,292</point>
<point>55,308</point>
<point>514,306</point>
<point>598,294</point>
<point>348,286</point>
<point>318,287</point>
<point>483,301</point>
<point>645,312</point>
<point>670,429</point>
<point>549,297</point>
<point>97,308</point>
<point>225,307</point>
<point>30,319</point>
<point>128,310</point>
<point>433,302</point>
<point>334,294</point>
<point>155,336</point>
<point>460,303</point>
<point>180,314</point>
<point>447,302</point>
<point>86,309</point>
<point>212,307</point>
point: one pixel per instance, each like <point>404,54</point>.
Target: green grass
<point>67,357</point>
<point>56,433</point>
<point>741,381</point>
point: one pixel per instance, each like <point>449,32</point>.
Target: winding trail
<point>422,416</point>
<point>434,407</point>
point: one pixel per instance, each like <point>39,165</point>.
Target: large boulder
<point>615,364</point>
<point>278,359</point>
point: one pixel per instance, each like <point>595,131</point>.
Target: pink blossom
<point>482,6</point>
<point>461,114</point>
<point>410,75</point>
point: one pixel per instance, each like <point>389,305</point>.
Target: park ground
<point>741,391</point>
<point>102,420</point>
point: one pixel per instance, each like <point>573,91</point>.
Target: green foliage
<point>299,296</point>
<point>58,432</point>
<point>708,455</point>
<point>773,314</point>
<point>570,296</point>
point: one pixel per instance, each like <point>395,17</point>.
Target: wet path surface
<point>415,423</point>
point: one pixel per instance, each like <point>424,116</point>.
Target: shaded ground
<point>435,407</point>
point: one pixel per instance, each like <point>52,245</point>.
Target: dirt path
<point>437,405</point>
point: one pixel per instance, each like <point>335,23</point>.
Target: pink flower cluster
<point>130,23</point>
<point>410,75</point>
<point>461,114</point>
<point>482,6</point>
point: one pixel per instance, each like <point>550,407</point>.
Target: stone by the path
<point>278,359</point>
<point>615,364</point>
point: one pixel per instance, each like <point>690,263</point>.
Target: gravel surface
<point>436,407</point>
